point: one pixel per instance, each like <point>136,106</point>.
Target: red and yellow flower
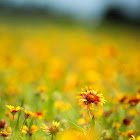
<point>52,130</point>
<point>25,129</point>
<point>13,109</point>
<point>127,121</point>
<point>90,98</point>
<point>2,124</point>
<point>6,133</point>
<point>134,138</point>
<point>28,114</point>
<point>39,115</point>
<point>34,128</point>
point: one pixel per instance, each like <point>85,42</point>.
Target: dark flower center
<point>92,98</point>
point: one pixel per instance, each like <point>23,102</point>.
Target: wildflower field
<point>69,82</point>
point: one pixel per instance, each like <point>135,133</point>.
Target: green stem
<point>13,121</point>
<point>90,114</point>
<point>13,126</point>
<point>22,126</point>
<point>52,137</point>
<point>90,118</point>
<point>31,137</point>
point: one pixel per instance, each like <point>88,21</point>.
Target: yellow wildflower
<point>89,97</point>
<point>34,128</point>
<point>28,114</point>
<point>6,133</point>
<point>14,110</point>
<point>133,137</point>
<point>53,130</point>
<point>25,129</point>
<point>39,115</point>
<point>116,125</point>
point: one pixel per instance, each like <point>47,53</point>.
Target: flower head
<point>25,129</point>
<point>28,114</point>
<point>127,121</point>
<point>34,128</point>
<point>133,137</point>
<point>13,109</point>
<point>90,97</point>
<point>134,101</point>
<point>6,133</point>
<point>116,125</point>
<point>53,130</point>
<point>2,124</point>
<point>39,115</point>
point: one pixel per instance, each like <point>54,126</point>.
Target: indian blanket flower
<point>134,101</point>
<point>24,129</point>
<point>129,133</point>
<point>90,98</point>
<point>52,130</point>
<point>2,124</point>
<point>124,99</point>
<point>127,121</point>
<point>116,125</point>
<point>6,133</point>
<point>13,109</point>
<point>39,115</point>
<point>133,138</point>
<point>34,128</point>
<point>28,114</point>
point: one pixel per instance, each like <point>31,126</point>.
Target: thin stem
<point>21,137</point>
<point>90,118</point>
<point>90,114</point>
<point>22,126</point>
<point>52,137</point>
<point>13,126</point>
<point>30,137</point>
<point>13,120</point>
<point>89,124</point>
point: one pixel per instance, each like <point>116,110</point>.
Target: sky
<point>84,8</point>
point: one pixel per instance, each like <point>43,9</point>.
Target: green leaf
<point>74,124</point>
<point>93,121</point>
